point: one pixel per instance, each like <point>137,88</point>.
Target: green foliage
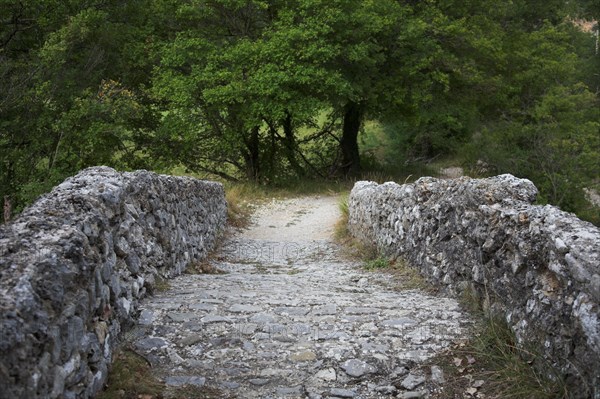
<point>377,263</point>
<point>280,92</point>
<point>556,144</point>
<point>66,104</point>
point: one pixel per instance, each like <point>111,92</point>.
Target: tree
<point>245,88</point>
<point>58,60</point>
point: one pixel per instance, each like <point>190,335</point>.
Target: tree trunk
<point>290,145</point>
<point>349,143</point>
<point>7,208</point>
<point>252,156</point>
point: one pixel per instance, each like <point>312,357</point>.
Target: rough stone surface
<point>292,317</point>
<point>412,381</point>
<point>74,266</point>
<point>539,265</point>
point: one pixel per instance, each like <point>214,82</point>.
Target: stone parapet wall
<point>536,266</point>
<point>75,264</point>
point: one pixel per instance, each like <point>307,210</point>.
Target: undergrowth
<point>378,263</point>
<point>508,367</point>
<point>161,284</point>
<point>205,266</point>
<point>131,377</point>
<point>492,364</point>
<point>240,199</point>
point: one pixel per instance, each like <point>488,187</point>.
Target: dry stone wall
<point>536,266</point>
<point>75,264</point>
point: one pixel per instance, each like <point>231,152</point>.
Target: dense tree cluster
<point>268,90</point>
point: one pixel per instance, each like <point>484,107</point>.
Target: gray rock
<point>241,308</point>
<point>360,310</point>
<point>230,385</point>
<point>357,368</point>
<point>259,381</point>
<point>289,391</point>
<point>328,374</point>
<point>412,395</point>
<point>342,393</point>
<point>437,375</point>
<point>246,328</point>
<point>133,263</point>
<point>146,317</point>
<point>262,318</point>
<point>183,316</point>
<point>215,319</point>
<point>412,381</point>
<point>292,311</point>
<point>148,344</point>
<point>386,389</point>
<point>400,323</point>
<point>203,306</point>
<point>329,309</point>
<point>248,346</point>
<point>179,381</point>
<point>191,340</point>
<point>303,356</point>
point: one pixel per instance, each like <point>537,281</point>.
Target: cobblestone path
<point>292,318</point>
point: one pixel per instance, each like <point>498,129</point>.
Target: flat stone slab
<point>412,381</point>
<point>262,318</point>
<point>292,311</point>
<point>181,317</point>
<point>357,368</point>
<point>343,393</point>
<point>402,322</point>
<point>179,381</point>
<point>148,344</point>
<point>304,356</point>
<point>330,309</point>
<point>240,308</point>
<point>215,319</point>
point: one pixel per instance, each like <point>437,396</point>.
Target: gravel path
<point>292,318</point>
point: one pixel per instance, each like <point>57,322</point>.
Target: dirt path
<point>292,318</point>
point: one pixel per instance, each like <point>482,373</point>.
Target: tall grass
<point>493,356</point>
<point>508,365</point>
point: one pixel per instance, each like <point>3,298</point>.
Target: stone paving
<point>292,318</point>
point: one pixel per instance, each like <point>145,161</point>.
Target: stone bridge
<point>292,317</point>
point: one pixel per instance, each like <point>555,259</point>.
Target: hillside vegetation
<point>276,91</point>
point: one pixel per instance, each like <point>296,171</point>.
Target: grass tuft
<point>161,284</point>
<point>408,277</point>
<point>239,203</point>
<point>203,267</point>
<point>493,357</point>
<point>131,377</point>
<point>377,263</point>
<point>341,232</point>
<point>508,366</point>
